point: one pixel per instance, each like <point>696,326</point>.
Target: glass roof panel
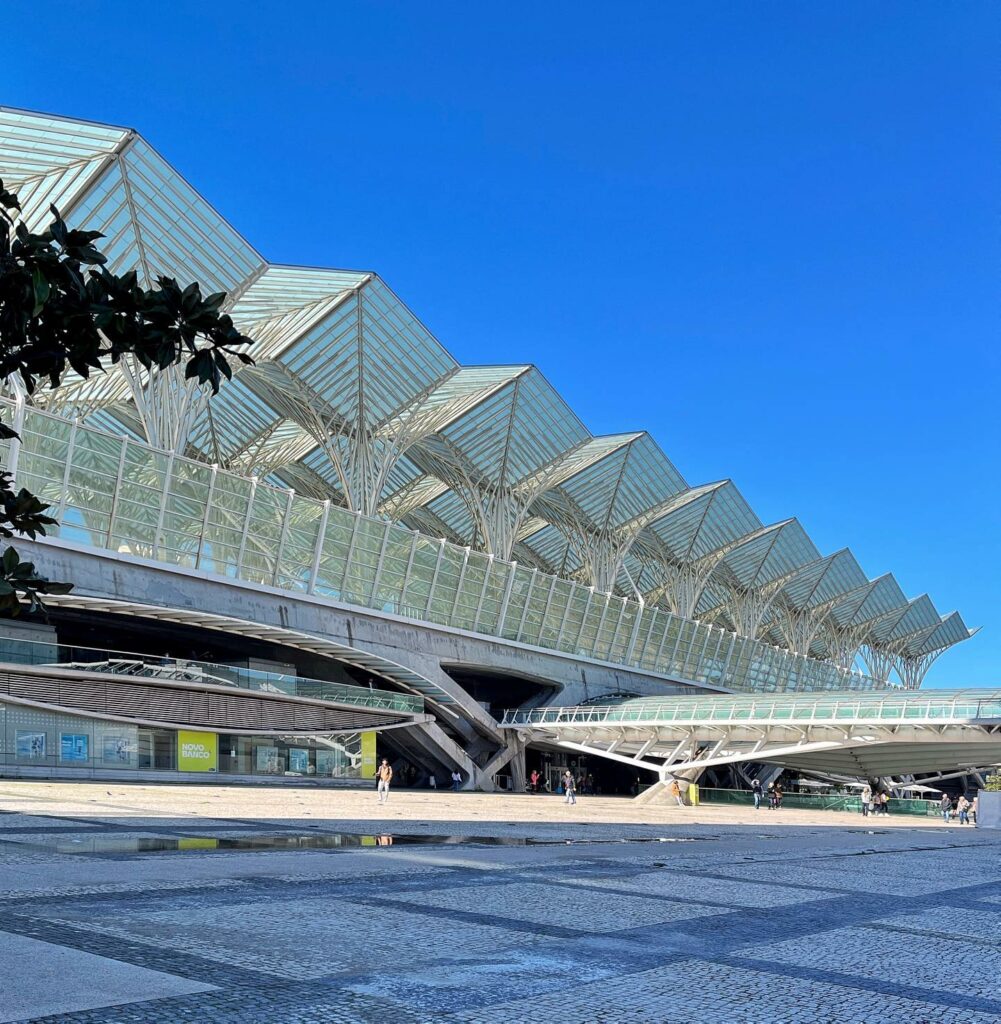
<point>520,427</point>
<point>282,289</point>
<point>950,630</point>
<point>32,144</point>
<point>181,235</point>
<point>885,596</point>
<point>819,583</point>
<point>919,615</point>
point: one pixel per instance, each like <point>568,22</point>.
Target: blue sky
<point>768,233</point>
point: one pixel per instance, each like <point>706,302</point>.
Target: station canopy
<point>352,399</point>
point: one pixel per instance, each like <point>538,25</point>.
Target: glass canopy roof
<point>352,398</point>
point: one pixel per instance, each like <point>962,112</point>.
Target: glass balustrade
<point>118,494</point>
<point>123,663</point>
<point>912,706</point>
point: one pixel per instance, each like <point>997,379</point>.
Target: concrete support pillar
<point>519,777</point>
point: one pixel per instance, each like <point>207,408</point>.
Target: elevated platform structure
<point>858,735</point>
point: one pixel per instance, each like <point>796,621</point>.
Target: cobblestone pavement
<point>758,920</point>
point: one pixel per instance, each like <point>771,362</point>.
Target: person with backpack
<point>385,777</point>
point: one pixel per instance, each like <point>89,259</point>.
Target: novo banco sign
<point>197,751</point>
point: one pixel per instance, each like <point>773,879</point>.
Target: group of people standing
<point>963,808</point>
<point>874,802</point>
<point>580,783</point>
<point>774,793</point>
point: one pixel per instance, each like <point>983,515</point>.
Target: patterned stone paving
<point>808,926</point>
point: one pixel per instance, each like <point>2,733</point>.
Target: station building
<point>360,545</point>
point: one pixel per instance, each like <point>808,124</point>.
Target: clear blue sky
<point>768,233</point>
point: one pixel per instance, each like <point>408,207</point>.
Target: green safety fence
<point>820,802</point>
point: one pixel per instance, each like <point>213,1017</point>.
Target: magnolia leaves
<point>61,309</point>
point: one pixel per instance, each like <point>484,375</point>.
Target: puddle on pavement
<point>125,845</point>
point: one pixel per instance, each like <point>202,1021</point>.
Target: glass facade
<point>118,494</point>
<point>39,738</point>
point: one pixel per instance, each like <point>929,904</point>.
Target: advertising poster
<point>298,760</point>
<point>268,760</point>
<point>117,750</point>
<point>328,762</point>
<point>30,744</point>
<point>74,746</point>
<point>197,751</point>
<point>368,755</point>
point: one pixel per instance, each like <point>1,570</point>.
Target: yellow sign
<point>197,751</point>
<point>198,844</point>
<point>368,755</point>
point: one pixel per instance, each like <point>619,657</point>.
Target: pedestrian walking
<point>456,780</point>
<point>569,788</point>
<point>385,777</point>
<point>945,806</point>
<point>973,809</point>
<point>884,803</point>
<point>778,797</point>
<point>771,796</point>
<point>866,798</point>
<point>756,793</point>
<point>433,782</point>
<point>675,790</point>
<point>534,781</point>
<point>963,806</point>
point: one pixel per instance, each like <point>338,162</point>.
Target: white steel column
<point>458,589</point>
<point>281,539</point>
<point>70,451</point>
<point>246,528</point>
<point>483,592</point>
<point>318,550</point>
<point>408,570</point>
<point>205,518</point>
<point>506,599</point>
<point>118,491</point>
<point>434,577</point>
<point>162,512</point>
<point>350,552</point>
<point>583,618</point>
<point>528,598</point>
<point>20,403</point>
<point>378,565</point>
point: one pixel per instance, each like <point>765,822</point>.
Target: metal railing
<point>888,707</point>
<point>91,659</point>
<point>115,493</point>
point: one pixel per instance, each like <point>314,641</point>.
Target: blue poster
<point>74,746</point>
<point>30,744</point>
<point>298,760</point>
<point>117,750</point>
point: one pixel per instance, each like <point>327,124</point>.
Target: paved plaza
<point>141,903</point>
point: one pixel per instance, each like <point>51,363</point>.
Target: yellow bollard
<point>693,795</point>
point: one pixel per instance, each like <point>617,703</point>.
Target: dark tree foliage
<point>61,309</point>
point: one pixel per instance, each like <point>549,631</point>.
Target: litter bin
<point>693,795</point>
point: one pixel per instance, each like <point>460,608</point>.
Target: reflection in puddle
<point>119,845</point>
